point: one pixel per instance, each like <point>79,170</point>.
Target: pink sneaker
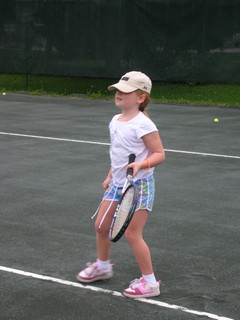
<point>140,288</point>
<point>92,273</point>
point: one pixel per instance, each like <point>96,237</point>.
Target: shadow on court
<point>54,156</point>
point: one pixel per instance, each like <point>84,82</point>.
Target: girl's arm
<point>154,144</point>
<point>105,183</point>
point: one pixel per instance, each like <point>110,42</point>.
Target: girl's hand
<point>136,167</point>
<point>105,183</point>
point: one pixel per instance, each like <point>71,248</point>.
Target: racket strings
<point>123,211</point>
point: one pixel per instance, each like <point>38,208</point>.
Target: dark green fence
<point>192,41</point>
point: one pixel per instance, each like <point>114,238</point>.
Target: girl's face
<point>126,101</point>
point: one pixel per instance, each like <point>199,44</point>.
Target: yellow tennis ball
<point>4,93</point>
<point>216,120</point>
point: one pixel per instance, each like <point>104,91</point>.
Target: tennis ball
<point>216,120</point>
<point>4,93</point>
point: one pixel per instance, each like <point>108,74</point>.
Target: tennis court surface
<point>54,157</point>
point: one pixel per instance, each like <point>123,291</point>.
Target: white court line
<point>107,144</point>
<point>113,293</point>
<point>52,138</point>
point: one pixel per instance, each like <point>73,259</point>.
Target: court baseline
<point>111,292</point>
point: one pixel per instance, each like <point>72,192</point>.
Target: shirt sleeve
<point>145,127</point>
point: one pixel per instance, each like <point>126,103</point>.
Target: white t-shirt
<point>126,138</point>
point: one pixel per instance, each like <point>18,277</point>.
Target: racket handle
<point>131,159</point>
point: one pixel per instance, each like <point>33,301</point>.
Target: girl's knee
<point>101,229</point>
<point>129,236</point>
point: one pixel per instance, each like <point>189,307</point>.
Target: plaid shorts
<point>146,193</point>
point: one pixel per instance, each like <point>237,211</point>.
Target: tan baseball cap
<point>131,81</point>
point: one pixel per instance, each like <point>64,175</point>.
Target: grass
<point>95,88</point>
<point>204,94</point>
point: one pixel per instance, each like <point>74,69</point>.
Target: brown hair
<point>145,103</point>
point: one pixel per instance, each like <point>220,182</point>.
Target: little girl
<point>131,131</point>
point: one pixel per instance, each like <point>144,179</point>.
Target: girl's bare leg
<point>102,229</point>
<point>135,239</point>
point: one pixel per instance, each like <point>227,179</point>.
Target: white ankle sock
<point>103,265</point>
<point>150,278</point>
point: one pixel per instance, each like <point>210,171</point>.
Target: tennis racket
<point>126,206</point>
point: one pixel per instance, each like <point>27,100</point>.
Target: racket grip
<point>131,159</point>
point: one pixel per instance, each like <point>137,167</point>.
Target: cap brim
<point>123,87</point>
